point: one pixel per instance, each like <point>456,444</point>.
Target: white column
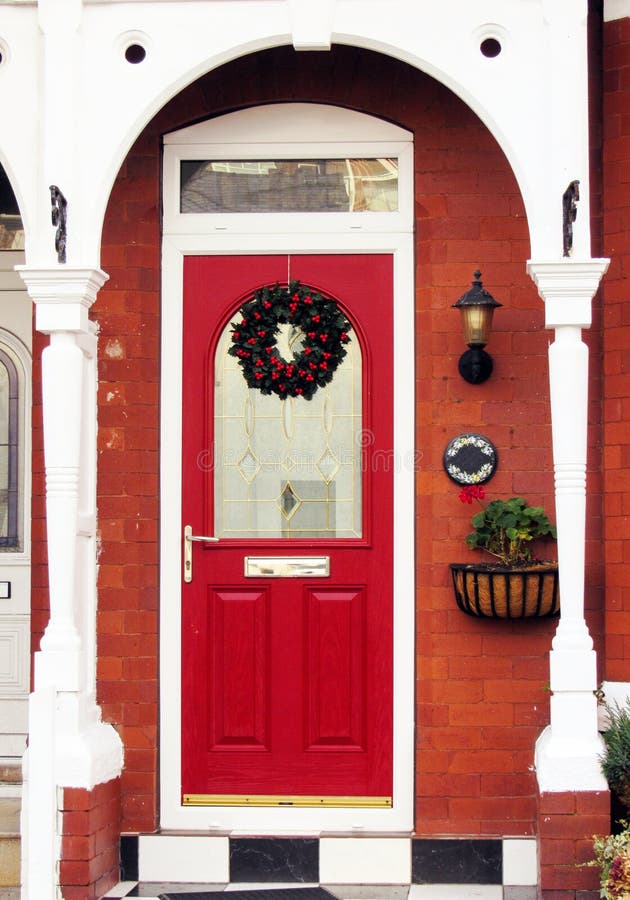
<point>567,752</point>
<point>63,710</point>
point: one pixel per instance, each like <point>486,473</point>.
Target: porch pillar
<point>69,745</point>
<point>567,751</point>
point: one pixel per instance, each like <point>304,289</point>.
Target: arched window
<point>9,463</point>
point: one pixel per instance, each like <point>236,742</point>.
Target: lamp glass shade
<point>477,324</point>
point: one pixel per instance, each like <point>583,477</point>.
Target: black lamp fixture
<point>477,307</point>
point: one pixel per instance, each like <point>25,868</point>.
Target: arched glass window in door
<point>287,468</point>
<point>9,463</point>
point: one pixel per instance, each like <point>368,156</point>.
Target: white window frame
<point>287,233</point>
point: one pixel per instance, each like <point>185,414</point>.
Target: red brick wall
<point>90,841</point>
<point>481,685</point>
<point>616,125</point>
<point>566,823</point>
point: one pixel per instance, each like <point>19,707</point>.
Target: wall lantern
<point>477,307</point>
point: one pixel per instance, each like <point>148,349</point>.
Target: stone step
<point>10,777</point>
<point>9,861</point>
<point>10,808</point>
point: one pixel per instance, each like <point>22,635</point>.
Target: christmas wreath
<point>325,331</point>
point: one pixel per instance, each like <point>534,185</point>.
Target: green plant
<point>505,529</point>
<point>612,856</point>
<point>616,760</point>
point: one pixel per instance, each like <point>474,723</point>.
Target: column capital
<point>62,296</point>
<point>567,286</point>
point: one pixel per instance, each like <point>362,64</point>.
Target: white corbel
<point>567,753</point>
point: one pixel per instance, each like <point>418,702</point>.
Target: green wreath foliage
<point>325,332</point>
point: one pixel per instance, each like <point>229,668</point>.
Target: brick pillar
<point>566,824</point>
<point>90,840</point>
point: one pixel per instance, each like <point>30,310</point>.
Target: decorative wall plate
<point>470,459</point>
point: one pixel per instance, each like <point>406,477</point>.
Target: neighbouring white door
<point>15,497</point>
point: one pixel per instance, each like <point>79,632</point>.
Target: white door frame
<point>230,137</point>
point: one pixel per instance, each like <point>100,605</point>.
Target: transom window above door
<point>230,174</point>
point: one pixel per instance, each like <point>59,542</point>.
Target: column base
<point>568,764</point>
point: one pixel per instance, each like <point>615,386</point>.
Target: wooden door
<point>287,617</point>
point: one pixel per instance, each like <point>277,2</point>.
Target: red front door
<point>287,617</point>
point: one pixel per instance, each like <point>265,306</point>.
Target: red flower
<point>472,492</point>
<point>310,334</point>
<point>261,334</point>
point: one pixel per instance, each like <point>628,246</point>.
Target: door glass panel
<point>294,185</point>
<point>287,468</point>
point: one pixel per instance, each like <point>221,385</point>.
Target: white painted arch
<point>93,104</point>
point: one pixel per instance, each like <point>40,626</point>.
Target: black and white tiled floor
<point>349,868</point>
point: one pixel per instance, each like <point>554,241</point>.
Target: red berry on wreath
<point>271,307</point>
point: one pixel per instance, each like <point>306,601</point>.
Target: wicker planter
<point>499,592</point>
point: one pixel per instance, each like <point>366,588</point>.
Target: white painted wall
<point>616,9</point>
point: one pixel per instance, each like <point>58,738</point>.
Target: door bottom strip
<point>282,800</point>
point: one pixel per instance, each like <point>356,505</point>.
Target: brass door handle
<point>189,537</point>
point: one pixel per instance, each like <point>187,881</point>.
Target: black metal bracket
<point>569,214</point>
<point>59,216</point>
<point>475,365</point>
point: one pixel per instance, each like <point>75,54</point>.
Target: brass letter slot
<point>287,566</point>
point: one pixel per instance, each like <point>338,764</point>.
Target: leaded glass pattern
<point>292,467</point>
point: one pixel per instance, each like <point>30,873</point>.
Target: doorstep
<point>390,867</point>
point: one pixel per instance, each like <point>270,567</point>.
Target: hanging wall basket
<point>500,592</point>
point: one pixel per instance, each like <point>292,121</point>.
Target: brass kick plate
<point>287,566</point>
<point>276,800</point>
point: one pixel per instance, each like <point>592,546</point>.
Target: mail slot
<point>287,566</point>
